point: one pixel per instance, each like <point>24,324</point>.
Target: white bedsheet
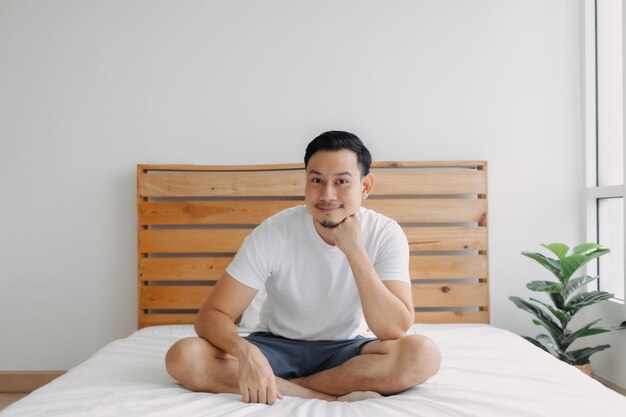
<point>485,372</point>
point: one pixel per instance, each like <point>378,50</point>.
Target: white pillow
<point>250,317</point>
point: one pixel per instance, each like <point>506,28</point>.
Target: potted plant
<point>567,298</point>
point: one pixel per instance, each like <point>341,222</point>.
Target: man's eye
<point>316,181</point>
<point>342,182</point>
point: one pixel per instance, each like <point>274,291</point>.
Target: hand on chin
<point>347,234</point>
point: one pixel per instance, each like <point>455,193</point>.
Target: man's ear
<point>367,184</point>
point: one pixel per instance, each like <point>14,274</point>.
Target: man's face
<point>334,188</point>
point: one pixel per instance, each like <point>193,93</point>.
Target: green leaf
<point>594,331</point>
<point>577,283</point>
<point>553,348</point>
<point>581,356</point>
<point>544,318</point>
<point>558,300</point>
<point>585,299</point>
<point>620,327</point>
<point>537,343</point>
<point>562,316</point>
<point>550,264</point>
<point>526,306</point>
<point>571,264</point>
<point>545,286</point>
<point>559,249</point>
<point>586,330</point>
<point>585,247</point>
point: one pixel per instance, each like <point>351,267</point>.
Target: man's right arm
<point>216,324</point>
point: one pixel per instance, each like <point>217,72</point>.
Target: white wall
<point>90,89</point>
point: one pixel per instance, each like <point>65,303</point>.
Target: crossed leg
<point>199,366</point>
<point>387,367</point>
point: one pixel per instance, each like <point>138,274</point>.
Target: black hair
<point>336,140</point>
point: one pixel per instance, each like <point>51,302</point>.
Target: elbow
<point>391,333</point>
<point>410,319</point>
<point>201,322</point>
<point>196,325</point>
<point>397,330</point>
<point>388,335</point>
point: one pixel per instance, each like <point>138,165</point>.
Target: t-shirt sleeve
<point>392,262</point>
<point>256,259</point>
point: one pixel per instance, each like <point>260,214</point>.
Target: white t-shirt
<point>311,292</point>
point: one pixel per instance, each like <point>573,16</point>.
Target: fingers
<point>257,382</point>
<point>347,235</point>
<point>262,395</point>
<point>348,219</point>
<point>249,395</point>
<point>272,394</point>
<point>254,396</point>
<point>245,394</point>
<point>267,395</point>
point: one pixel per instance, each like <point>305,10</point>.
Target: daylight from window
<point>605,140</point>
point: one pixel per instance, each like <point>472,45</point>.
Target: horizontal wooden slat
<point>168,297</point>
<point>430,210</point>
<point>223,184</point>
<point>420,317</point>
<point>158,319</point>
<point>191,241</point>
<point>229,240</point>
<point>450,295</point>
<point>182,269</point>
<point>210,212</point>
<point>411,182</point>
<point>446,238</point>
<point>452,317</point>
<point>421,267</point>
<point>162,319</point>
<point>291,183</point>
<point>254,212</point>
<point>448,267</point>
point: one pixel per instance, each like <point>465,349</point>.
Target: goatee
<point>328,224</point>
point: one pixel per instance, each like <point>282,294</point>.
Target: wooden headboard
<point>192,220</point>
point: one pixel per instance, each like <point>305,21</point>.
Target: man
<point>331,269</point>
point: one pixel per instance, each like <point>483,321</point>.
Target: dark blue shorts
<point>295,358</point>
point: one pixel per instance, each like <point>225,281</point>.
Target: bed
<point>191,221</point>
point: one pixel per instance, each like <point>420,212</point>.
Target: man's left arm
<point>387,306</point>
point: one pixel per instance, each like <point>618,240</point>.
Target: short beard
<point>328,225</point>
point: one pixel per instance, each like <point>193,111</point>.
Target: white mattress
<point>485,372</point>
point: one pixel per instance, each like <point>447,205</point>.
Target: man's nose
<point>328,192</point>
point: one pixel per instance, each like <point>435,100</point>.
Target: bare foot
<point>359,396</point>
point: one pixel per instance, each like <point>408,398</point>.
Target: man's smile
<point>328,208</point>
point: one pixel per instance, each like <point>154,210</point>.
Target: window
<point>604,136</point>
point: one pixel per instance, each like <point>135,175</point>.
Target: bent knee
<point>418,359</point>
<point>184,350</point>
<point>182,358</point>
